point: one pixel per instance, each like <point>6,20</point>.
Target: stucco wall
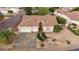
<point>35,29</point>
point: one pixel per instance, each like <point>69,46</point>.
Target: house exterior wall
<point>48,29</point>
<point>35,29</point>
<point>28,29</point>
<point>24,29</point>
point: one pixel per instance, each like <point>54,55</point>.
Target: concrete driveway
<point>25,40</point>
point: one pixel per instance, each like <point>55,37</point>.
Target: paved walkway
<point>25,40</point>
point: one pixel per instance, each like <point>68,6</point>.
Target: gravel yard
<point>64,38</point>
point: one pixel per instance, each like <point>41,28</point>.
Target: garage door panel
<point>34,29</point>
<point>25,29</point>
<point>48,29</point>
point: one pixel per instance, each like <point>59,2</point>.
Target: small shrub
<point>44,35</point>
<point>68,42</point>
<point>75,9</point>
<point>41,36</point>
<point>42,45</point>
<point>57,28</point>
<point>76,32</point>
<point>7,36</point>
<point>74,24</point>
<point>54,40</point>
<point>10,11</point>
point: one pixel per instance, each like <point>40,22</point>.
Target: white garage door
<point>28,29</point>
<point>35,29</point>
<point>48,29</point>
<point>25,29</point>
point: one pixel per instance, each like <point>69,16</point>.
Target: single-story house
<point>9,11</point>
<point>30,23</point>
<point>74,16</point>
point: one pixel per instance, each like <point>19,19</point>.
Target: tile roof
<point>73,15</point>
<point>33,20</point>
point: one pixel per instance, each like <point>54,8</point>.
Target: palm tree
<point>7,36</point>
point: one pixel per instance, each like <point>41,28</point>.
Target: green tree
<point>43,11</point>
<point>28,10</point>
<point>7,36</point>
<point>41,36</point>
<point>52,9</point>
<point>61,20</point>
<point>57,28</point>
<point>1,16</point>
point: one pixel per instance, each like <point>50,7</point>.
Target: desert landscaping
<point>40,28</point>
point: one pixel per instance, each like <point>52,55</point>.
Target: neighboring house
<point>73,15</point>
<point>11,22</point>
<point>5,10</point>
<point>65,9</point>
<point>31,23</point>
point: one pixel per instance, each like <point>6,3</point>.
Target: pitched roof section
<point>73,15</point>
<point>33,20</point>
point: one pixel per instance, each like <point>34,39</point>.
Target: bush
<point>44,35</point>
<point>41,36</point>
<point>68,42</point>
<point>54,40</point>
<point>74,24</point>
<point>61,20</point>
<point>76,32</point>
<point>7,36</point>
<point>42,45</point>
<point>75,9</point>
<point>10,11</point>
<point>57,28</point>
<point>52,9</point>
<point>28,10</point>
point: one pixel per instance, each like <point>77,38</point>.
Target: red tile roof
<point>73,15</point>
<point>33,20</point>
